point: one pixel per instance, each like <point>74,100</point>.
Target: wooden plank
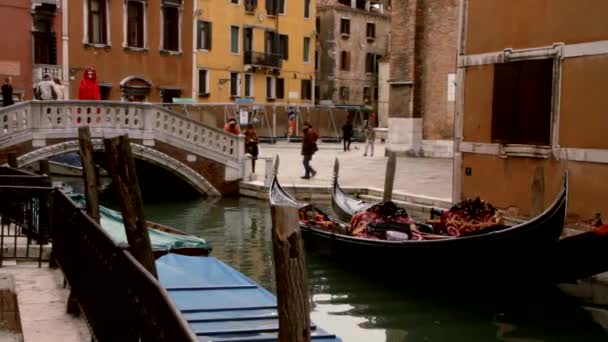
<point>291,277</point>
<point>124,179</point>
<point>389,180</point>
<point>89,172</point>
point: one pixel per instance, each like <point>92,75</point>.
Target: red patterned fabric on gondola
<point>467,217</point>
<point>386,212</point>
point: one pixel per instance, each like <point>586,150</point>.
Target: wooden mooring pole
<point>89,172</point>
<point>124,177</point>
<point>44,168</point>
<point>389,180</point>
<point>291,277</point>
<point>12,159</point>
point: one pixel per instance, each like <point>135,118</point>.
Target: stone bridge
<point>205,157</point>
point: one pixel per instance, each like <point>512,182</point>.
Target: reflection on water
<point>357,308</point>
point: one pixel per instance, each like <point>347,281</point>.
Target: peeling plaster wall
<point>330,42</point>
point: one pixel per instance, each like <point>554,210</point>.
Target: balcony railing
<point>268,60</point>
<point>40,70</point>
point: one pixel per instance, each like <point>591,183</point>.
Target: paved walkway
<point>42,305</point>
<point>421,176</point>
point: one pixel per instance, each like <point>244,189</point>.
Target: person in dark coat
<point>309,147</point>
<point>347,133</point>
<point>251,145</point>
<point>7,92</point>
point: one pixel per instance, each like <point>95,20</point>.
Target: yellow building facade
<point>261,50</point>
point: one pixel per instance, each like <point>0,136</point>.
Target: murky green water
<point>357,308</point>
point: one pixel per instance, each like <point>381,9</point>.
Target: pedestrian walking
<point>46,89</point>
<point>370,135</point>
<point>347,133</point>
<point>232,127</point>
<point>251,145</point>
<point>309,147</point>
<point>7,92</point>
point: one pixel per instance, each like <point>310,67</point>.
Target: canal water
<point>359,308</point>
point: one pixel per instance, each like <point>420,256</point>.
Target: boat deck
<point>222,304</point>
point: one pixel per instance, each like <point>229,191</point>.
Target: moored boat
<point>164,239</point>
<point>221,304</point>
<point>523,249</point>
<point>343,204</point>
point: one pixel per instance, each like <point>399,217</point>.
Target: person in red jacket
<point>309,147</point>
<point>89,89</point>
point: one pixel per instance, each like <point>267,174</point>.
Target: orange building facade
<point>31,41</point>
<point>140,49</point>
<point>531,104</point>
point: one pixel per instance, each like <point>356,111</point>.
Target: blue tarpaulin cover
<point>220,303</point>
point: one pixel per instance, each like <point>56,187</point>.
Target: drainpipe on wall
<point>65,39</point>
<point>194,48</point>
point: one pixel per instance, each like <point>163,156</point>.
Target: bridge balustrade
<point>61,119</point>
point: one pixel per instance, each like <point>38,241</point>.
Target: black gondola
<point>524,249</point>
<point>343,204</point>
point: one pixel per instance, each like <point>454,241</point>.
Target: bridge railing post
<point>36,115</point>
<point>148,133</point>
<point>240,147</point>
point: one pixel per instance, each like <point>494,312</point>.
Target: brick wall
<point>423,50</point>
<point>436,43</point>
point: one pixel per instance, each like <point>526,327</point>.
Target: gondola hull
<point>525,250</point>
<point>522,254</point>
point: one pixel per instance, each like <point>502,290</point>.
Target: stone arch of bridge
<point>155,157</point>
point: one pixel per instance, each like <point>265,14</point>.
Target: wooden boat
<point>164,239</point>
<point>527,248</point>
<point>343,204</point>
<point>221,304</point>
<point>581,256</point>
